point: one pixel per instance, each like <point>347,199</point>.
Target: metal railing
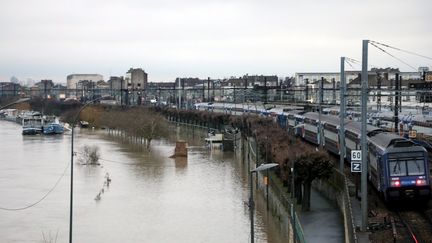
<point>287,202</point>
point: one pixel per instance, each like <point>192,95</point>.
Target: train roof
<point>293,112</point>
<point>411,149</point>
<point>386,139</point>
<point>352,126</point>
<point>355,126</point>
<point>334,120</point>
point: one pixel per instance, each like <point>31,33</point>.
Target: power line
<point>402,50</point>
<point>381,49</point>
<point>349,63</point>
<point>351,60</point>
<point>40,200</point>
<point>356,63</point>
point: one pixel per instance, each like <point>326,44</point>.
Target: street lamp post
<point>262,167</point>
<point>72,155</point>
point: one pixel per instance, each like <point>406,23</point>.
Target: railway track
<point>412,226</point>
<point>407,221</point>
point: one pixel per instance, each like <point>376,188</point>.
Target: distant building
<point>102,85</point>
<point>58,91</point>
<point>391,73</point>
<point>115,83</point>
<point>300,78</point>
<point>43,88</point>
<point>423,69</point>
<point>73,79</point>
<point>191,83</point>
<point>252,81</point>
<point>262,80</point>
<point>136,79</point>
<point>9,89</point>
<point>161,85</point>
<point>235,82</point>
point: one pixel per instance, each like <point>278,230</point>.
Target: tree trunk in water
<point>307,195</point>
<point>148,143</point>
<point>298,191</point>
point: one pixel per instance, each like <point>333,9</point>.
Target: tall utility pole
<point>174,100</point>
<point>391,97</point>
<point>265,90</point>
<point>400,93</point>
<point>320,100</point>
<point>213,89</point>
<point>183,94</point>
<point>234,98</point>
<point>179,94</point>
<point>208,89</point>
<point>342,115</point>
<point>364,148</point>
<point>307,90</point>
<point>334,91</point>
<point>379,79</point>
<point>245,88</point>
<point>396,107</point>
<point>121,90</point>
<point>203,90</point>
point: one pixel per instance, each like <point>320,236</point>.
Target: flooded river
<point>151,198</point>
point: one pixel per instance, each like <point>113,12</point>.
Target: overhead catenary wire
<point>349,63</point>
<point>400,60</point>
<point>354,63</point>
<point>42,198</point>
<point>399,49</point>
<point>351,60</point>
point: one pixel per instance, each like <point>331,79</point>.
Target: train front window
<point>397,168</point>
<point>406,166</point>
<point>415,167</point>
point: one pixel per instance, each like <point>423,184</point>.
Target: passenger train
<point>397,167</point>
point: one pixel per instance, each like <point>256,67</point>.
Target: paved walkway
<point>324,223</point>
<point>356,210</point>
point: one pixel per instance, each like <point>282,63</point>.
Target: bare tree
<point>90,155</point>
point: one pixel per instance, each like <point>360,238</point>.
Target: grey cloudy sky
<point>201,38</point>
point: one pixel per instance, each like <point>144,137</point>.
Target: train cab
<point>399,168</point>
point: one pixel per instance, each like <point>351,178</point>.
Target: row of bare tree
<point>143,124</point>
<point>137,124</point>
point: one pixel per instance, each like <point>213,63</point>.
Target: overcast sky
<point>200,38</point>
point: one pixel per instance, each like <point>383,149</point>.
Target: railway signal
<point>356,166</point>
<point>356,157</point>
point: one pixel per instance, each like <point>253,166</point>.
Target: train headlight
<point>420,182</point>
<point>395,183</point>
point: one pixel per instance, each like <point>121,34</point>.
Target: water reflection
<point>152,198</point>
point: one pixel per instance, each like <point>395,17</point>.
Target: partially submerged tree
<point>90,155</point>
<point>138,123</point>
